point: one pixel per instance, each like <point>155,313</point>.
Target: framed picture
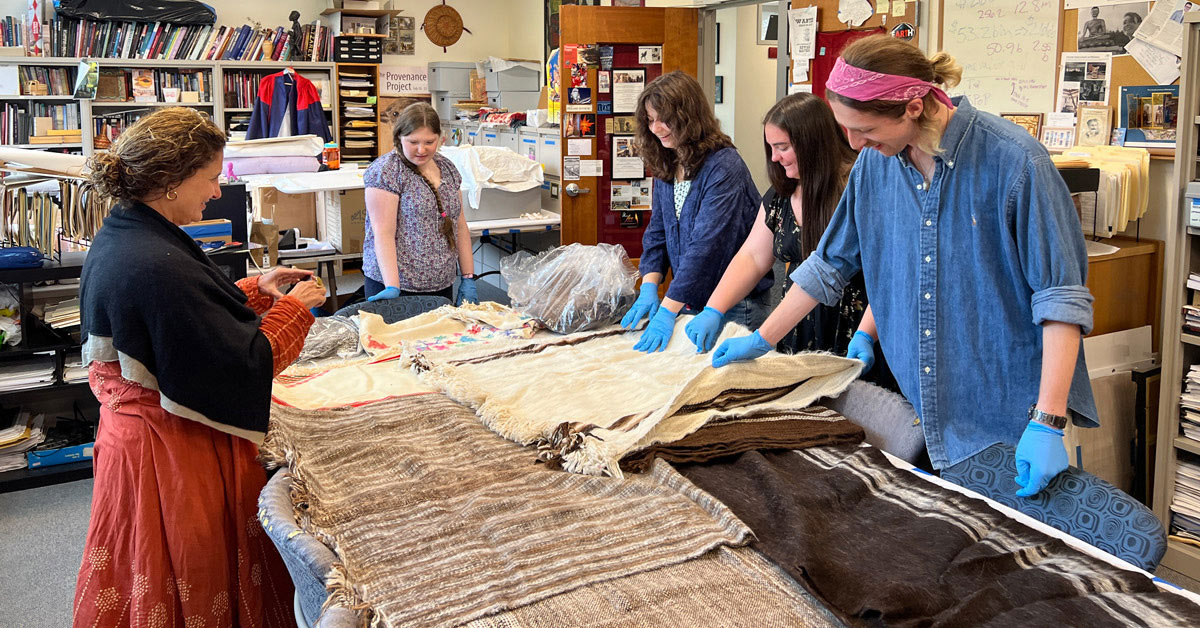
<point>1031,122</point>
<point>768,24</point>
<point>719,90</point>
<point>1058,138</point>
<point>1094,127</point>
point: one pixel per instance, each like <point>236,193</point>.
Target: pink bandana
<point>865,85</point>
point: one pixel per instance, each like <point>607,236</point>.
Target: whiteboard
<point>1008,50</point>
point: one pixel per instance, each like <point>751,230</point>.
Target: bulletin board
<point>1008,50</point>
<point>828,22</point>
<point>1125,71</point>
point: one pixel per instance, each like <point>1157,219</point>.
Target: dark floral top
<point>826,328</point>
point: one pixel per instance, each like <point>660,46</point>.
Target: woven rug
<point>437,521</point>
<point>881,546</point>
<point>728,587</point>
<point>616,400</point>
<point>814,426</point>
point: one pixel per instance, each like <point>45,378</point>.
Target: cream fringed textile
<point>438,522</point>
<point>729,587</point>
<point>588,399</point>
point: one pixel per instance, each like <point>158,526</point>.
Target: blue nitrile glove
<point>862,348</point>
<point>1040,457</point>
<point>389,292</point>
<point>646,305</point>
<point>658,332</point>
<point>467,293</point>
<point>744,348</point>
<point>704,328</point>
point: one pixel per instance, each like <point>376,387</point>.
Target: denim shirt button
<point>928,332</point>
<point>928,223</point>
<point>927,369</point>
<point>920,186</point>
<point>928,259</point>
<point>927,295</point>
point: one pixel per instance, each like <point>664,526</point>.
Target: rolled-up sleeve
<point>723,220</point>
<point>654,239</point>
<point>825,273</point>
<point>1050,244</point>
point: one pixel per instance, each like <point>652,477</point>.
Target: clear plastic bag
<point>572,288</point>
<point>331,337</point>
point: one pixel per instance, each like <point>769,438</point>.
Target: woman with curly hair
<point>704,205</point>
<point>181,359</point>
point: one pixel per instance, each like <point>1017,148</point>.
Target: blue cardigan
<point>697,247</point>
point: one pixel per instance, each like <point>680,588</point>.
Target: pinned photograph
<point>603,81</point>
<point>626,159</point>
<point>1031,122</point>
<point>578,75</point>
<point>1109,28</point>
<point>649,55</point>
<point>580,125</point>
<point>1094,127</point>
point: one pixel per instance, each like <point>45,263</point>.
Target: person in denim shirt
<point>703,206</point>
<point>973,257</point>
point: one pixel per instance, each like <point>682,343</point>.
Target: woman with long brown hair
<point>416,233</point>
<point>704,204</point>
<point>808,160</point>
<point>953,209</point>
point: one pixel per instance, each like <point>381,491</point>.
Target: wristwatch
<point>1055,421</point>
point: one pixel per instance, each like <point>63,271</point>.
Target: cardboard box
<point>342,220</point>
<point>1105,451</point>
<point>495,204</point>
<point>268,237</point>
<point>287,211</point>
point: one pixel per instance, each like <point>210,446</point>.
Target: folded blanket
<point>270,165</point>
<point>883,547</point>
<point>812,427</point>
<point>437,521</point>
<point>620,400</point>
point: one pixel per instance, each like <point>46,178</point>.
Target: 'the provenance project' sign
<point>403,80</point>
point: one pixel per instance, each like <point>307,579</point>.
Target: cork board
<point>1125,71</point>
<point>827,20</point>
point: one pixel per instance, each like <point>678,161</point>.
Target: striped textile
<point>728,587</point>
<point>881,546</point>
<point>795,429</point>
<point>620,400</point>
<point>438,522</point>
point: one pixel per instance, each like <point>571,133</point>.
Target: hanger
<point>289,70</point>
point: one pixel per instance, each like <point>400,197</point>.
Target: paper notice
<point>800,72</point>
<point>800,89</point>
<point>802,34</point>
<point>579,147</point>
<point>1160,64</point>
<point>883,6</point>
<point>898,8</point>
<point>591,168</point>
<point>571,168</point>
<point>854,12</point>
<point>1163,27</point>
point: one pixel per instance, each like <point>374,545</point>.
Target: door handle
<point>574,190</point>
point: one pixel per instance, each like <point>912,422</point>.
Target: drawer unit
<point>357,49</point>
<point>527,144</point>
<point>550,150</point>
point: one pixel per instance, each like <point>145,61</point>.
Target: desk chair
<point>1075,502</point>
<point>397,309</point>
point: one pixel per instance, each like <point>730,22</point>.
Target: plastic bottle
<point>333,156</point>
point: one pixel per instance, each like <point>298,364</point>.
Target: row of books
<point>359,127</point>
<point>58,81</point>
<point>146,84</point>
<point>17,124</point>
<point>1185,503</point>
<point>106,128</point>
<point>13,31</point>
<point>67,37</point>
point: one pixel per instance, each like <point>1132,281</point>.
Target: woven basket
<point>443,25</point>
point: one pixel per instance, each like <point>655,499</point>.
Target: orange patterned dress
<point>174,539</point>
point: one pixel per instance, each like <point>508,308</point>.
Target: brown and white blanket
<point>588,399</point>
<point>437,521</point>
<point>883,547</point>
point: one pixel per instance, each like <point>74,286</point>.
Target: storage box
<point>342,220</point>
<point>219,230</point>
<point>451,76</point>
<point>443,103</point>
<point>514,79</point>
<point>497,204</point>
<point>527,144</point>
<point>550,150</point>
<point>514,101</point>
<point>62,455</point>
<point>287,211</point>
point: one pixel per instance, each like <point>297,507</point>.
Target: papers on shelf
<point>21,432</point>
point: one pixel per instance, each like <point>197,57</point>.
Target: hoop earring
<point>172,195</point>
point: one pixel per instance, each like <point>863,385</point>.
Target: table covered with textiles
<point>467,469</point>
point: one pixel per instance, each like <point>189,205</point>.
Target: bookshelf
<point>357,92</point>
<point>215,74</point>
<point>1180,350</point>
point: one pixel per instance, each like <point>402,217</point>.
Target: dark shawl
<point>152,299</point>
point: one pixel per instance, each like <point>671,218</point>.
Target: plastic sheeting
<point>571,288</point>
<point>173,11</point>
<point>484,167</point>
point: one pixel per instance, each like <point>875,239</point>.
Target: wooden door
<point>588,217</point>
